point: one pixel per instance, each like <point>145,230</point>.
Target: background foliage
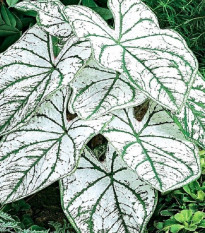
<point>177,211</point>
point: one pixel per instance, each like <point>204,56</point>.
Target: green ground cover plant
<point>71,77</point>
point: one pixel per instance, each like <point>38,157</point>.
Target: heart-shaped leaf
<point>192,118</point>
<point>29,72</point>
<point>97,91</point>
<point>156,61</point>
<point>44,150</point>
<point>155,148</point>
<point>106,197</point>
<point>50,16</point>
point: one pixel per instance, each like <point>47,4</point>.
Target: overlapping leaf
<point>44,150</point>
<point>97,91</point>
<point>155,148</point>
<point>29,72</point>
<point>158,62</point>
<point>106,197</point>
<point>50,16</point>
<point>192,118</point>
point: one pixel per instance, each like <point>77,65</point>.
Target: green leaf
<point>176,228</point>
<point>89,3</point>
<point>45,150</point>
<point>19,24</point>
<point>155,148</point>
<point>106,197</point>
<point>35,228</point>
<point>8,17</point>
<point>97,91</point>
<point>195,185</point>
<point>202,224</point>
<point>30,72</point>
<point>190,228</point>
<point>11,3</point>
<point>200,195</point>
<point>188,190</point>
<point>156,61</point>
<point>71,2</point>
<point>159,225</point>
<point>169,222</point>
<point>8,41</point>
<point>198,217</point>
<point>167,212</point>
<point>192,118</point>
<point>6,30</point>
<point>50,16</point>
<point>103,12</point>
<point>184,216</point>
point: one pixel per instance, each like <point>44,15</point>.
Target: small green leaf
<point>198,217</point>
<point>35,228</point>
<point>6,30</point>
<point>103,12</point>
<point>169,222</point>
<point>8,41</point>
<point>27,220</point>
<point>11,3</point>
<point>195,186</point>
<point>19,24</point>
<point>176,228</point>
<point>202,224</point>
<point>8,17</point>
<point>159,225</point>
<point>167,213</point>
<point>183,216</point>
<point>200,195</point>
<point>190,227</point>
<point>89,3</point>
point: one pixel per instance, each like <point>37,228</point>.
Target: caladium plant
<point>99,74</point>
<point>112,198</point>
<point>31,72</point>
<point>97,91</point>
<point>136,47</point>
<point>192,118</point>
<point>45,149</point>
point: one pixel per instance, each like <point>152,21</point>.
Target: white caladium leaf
<point>156,61</point>
<point>97,91</point>
<point>192,118</point>
<point>44,150</point>
<point>155,148</point>
<point>50,16</point>
<point>29,72</point>
<point>106,197</point>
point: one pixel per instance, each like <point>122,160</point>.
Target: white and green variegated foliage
<point>156,61</point>
<point>97,91</point>
<point>128,64</point>
<point>192,118</point>
<point>106,197</point>
<point>29,72</point>
<point>50,16</point>
<point>44,150</point>
<point>155,148</point>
